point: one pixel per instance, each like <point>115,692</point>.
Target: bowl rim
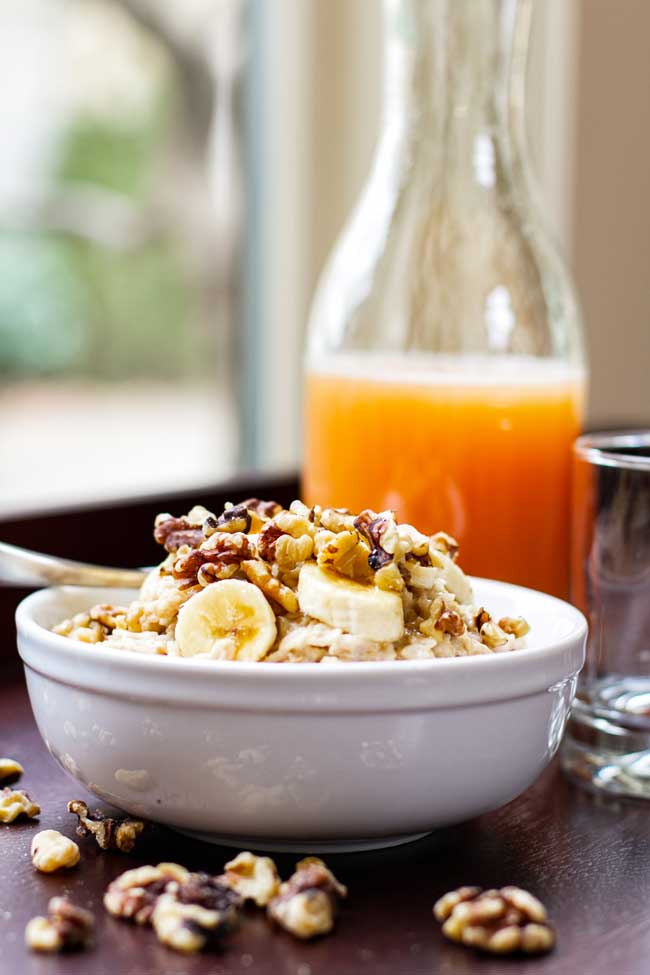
<point>66,648</point>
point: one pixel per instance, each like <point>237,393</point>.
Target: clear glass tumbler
<point>607,745</point>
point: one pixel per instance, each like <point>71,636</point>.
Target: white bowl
<point>303,756</point>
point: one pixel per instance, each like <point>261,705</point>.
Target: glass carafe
<point>444,371</point>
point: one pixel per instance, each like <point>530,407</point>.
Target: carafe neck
<point>454,81</point>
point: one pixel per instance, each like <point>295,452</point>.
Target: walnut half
<point>52,851</point>
<point>252,877</point>
<point>66,927</point>
<point>498,921</point>
<point>196,913</point>
<point>10,770</point>
<point>306,903</point>
<point>133,895</point>
<point>15,803</point>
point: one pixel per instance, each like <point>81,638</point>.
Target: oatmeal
<point>259,582</point>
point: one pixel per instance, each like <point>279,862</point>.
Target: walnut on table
<point>195,913</point>
<point>10,770</point>
<point>66,927</point>
<point>134,893</point>
<point>498,921</point>
<point>110,834</point>
<point>187,910</point>
<point>15,803</point>
<point>51,851</point>
<point>252,877</point>
<point>306,903</point>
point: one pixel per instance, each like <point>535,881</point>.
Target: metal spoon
<point>21,567</point>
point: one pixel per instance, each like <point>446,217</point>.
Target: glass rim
<point>602,449</point>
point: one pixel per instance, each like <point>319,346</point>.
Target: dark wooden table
<point>587,858</point>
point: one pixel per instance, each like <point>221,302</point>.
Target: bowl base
<point>302,846</point>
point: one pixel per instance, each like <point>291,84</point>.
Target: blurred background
<point>172,177</point>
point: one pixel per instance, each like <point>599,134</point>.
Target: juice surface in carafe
<point>478,447</point>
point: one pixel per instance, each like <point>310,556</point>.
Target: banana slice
<point>228,620</point>
<point>364,611</point>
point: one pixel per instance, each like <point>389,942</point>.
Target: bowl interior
<point>553,623</point>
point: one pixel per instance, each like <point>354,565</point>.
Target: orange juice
<point>477,447</point>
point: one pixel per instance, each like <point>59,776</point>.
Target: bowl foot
<point>303,846</point>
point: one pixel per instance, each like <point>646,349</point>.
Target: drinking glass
<point>607,745</point>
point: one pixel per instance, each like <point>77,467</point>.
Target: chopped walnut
<point>451,622</point>
<point>236,518</point>
<point>265,509</point>
<point>52,851</point>
<point>372,526</point>
<point>290,552</point>
<point>267,540</point>
<point>81,627</point>
<point>514,625</point>
<point>442,604</point>
<point>184,927</point>
<point>134,893</point>
<point>110,834</point>
<point>273,547</point>
<point>195,913</point>
<point>306,914</point>
<point>257,573</point>
<point>15,803</point>
<point>224,551</point>
<point>343,552</point>
<point>293,524</point>
<point>336,519</point>
<point>110,617</point>
<point>389,577</point>
<point>173,532</point>
<point>446,544</point>
<point>498,921</point>
<point>66,927</point>
<point>492,635</point>
<point>306,903</point>
<point>10,770</point>
<point>252,877</point>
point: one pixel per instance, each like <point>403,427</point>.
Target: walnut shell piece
<point>110,834</point>
<point>306,903</point>
<point>15,803</point>
<point>500,921</point>
<point>66,927</point>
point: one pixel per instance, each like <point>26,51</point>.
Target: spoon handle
<point>21,567</point>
